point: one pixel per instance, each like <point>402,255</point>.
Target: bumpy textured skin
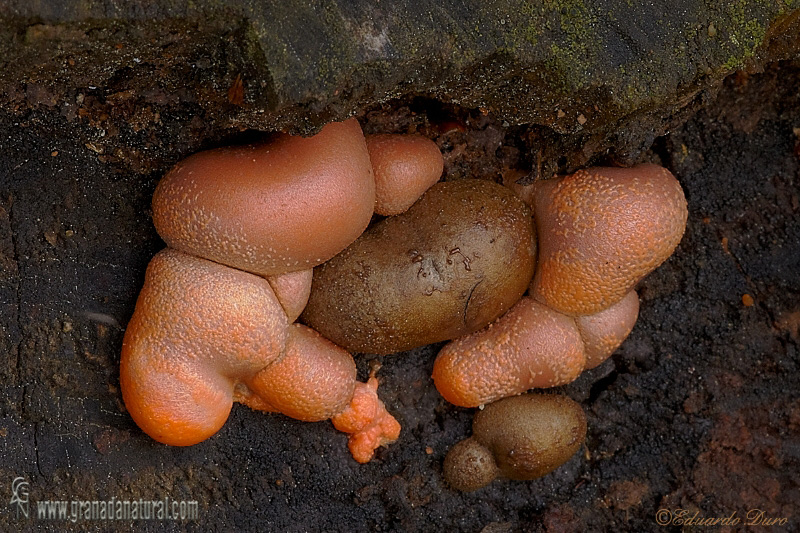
<point>405,166</point>
<point>207,332</point>
<point>456,260</point>
<point>290,204</point>
<point>603,332</point>
<point>366,419</point>
<point>530,346</point>
<point>601,230</point>
<point>292,290</point>
<point>313,381</point>
<point>198,329</point>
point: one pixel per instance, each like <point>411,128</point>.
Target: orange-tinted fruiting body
<point>601,230</point>
<point>405,166</point>
<point>271,208</point>
<point>314,380</point>
<point>603,332</point>
<point>199,328</point>
<point>530,346</point>
<point>367,421</point>
<point>524,192</point>
<point>292,290</point>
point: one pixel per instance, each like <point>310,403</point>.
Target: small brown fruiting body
<point>469,465</point>
<point>456,260</point>
<point>523,437</point>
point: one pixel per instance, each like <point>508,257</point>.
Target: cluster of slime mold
<point>245,226</point>
<point>214,322</point>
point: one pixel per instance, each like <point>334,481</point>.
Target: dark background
<point>699,409</point>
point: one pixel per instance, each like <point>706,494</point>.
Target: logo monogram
<point>19,495</point>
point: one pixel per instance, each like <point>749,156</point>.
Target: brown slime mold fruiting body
<point>456,260</point>
<point>521,438</point>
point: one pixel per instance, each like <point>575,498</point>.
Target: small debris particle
<point>581,119</point>
<point>627,494</point>
<point>50,237</point>
<point>236,91</point>
<point>109,440</point>
<point>54,153</point>
<point>66,327</point>
<point>561,114</point>
<point>712,30</point>
<point>747,300</point>
<point>428,450</point>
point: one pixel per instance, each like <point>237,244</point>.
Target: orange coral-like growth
<point>367,421</point>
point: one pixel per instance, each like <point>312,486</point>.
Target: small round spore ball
<point>469,465</point>
<point>523,437</point>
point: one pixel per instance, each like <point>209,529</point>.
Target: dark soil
<point>698,410</point>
